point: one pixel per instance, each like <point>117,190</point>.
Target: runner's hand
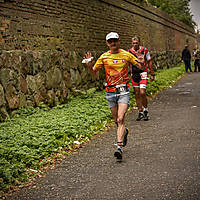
<point>141,60</point>
<point>152,78</point>
<point>88,55</point>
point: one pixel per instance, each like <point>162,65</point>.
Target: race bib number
<point>143,75</point>
<point>122,89</point>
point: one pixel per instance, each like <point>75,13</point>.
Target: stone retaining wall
<point>28,78</point>
<point>42,44</point>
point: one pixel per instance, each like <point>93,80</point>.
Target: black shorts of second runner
<point>113,99</point>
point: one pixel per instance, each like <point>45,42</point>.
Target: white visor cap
<point>112,35</point>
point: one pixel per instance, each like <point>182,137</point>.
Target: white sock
<point>145,109</point>
<point>119,147</point>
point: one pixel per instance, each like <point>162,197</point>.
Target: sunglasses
<point>112,40</point>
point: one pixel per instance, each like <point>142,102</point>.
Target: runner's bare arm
<point>91,68</point>
<point>151,70</point>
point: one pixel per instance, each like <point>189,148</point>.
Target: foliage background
<point>178,9</point>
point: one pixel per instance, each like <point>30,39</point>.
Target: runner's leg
<point>144,103</point>
<point>117,114</point>
<point>138,98</point>
<point>122,108</point>
<point>114,111</point>
<point>138,103</point>
<point>143,97</point>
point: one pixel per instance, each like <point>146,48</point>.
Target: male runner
<point>116,62</point>
<point>139,78</point>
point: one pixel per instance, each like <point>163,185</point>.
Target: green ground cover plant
<point>32,138</point>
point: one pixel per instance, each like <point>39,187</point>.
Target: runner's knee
<point>142,93</point>
<point>120,119</point>
<point>137,92</point>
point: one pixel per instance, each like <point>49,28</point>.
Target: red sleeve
<point>146,51</point>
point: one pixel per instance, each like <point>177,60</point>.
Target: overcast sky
<point>195,10</point>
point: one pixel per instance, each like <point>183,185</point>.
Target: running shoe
<point>125,137</point>
<point>146,116</point>
<point>140,116</point>
<point>118,154</point>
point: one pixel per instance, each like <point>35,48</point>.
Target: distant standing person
<point>196,55</point>
<point>116,62</point>
<point>186,57</point>
<point>139,78</point>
